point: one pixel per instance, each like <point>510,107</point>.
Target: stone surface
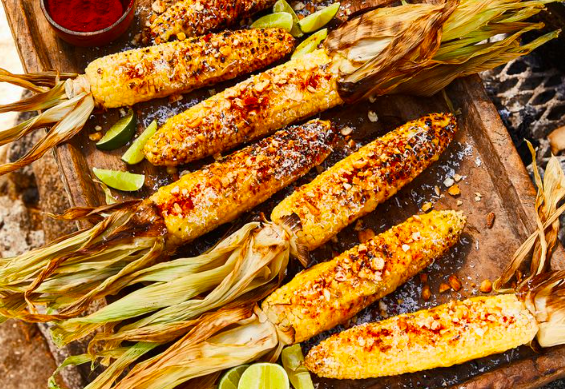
<point>25,359</point>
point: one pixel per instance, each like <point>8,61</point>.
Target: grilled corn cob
<point>197,17</point>
<point>250,109</point>
<point>176,214</point>
<point>449,334</point>
<point>356,185</point>
<point>202,200</point>
<point>332,292</point>
<point>133,76</point>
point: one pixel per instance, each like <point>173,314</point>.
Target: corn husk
<point>539,246</point>
<point>420,48</point>
<point>64,277</point>
<point>225,339</point>
<point>179,295</point>
<point>252,259</point>
<point>544,296</point>
<point>70,116</point>
<point>67,106</point>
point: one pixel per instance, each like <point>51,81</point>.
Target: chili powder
<point>85,15</point>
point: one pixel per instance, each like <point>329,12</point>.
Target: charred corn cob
<point>134,76</point>
<point>332,292</point>
<point>133,238</point>
<point>250,109</point>
<point>202,200</point>
<point>449,334</point>
<point>197,17</point>
<point>356,185</point>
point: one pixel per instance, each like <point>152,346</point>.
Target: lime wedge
<point>125,181</point>
<point>293,362</point>
<point>310,44</point>
<point>135,152</point>
<point>264,376</point>
<point>277,20</point>
<point>283,6</point>
<point>319,19</point>
<point>119,134</point>
<point>231,378</point>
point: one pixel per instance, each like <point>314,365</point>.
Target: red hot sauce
<point>85,15</point>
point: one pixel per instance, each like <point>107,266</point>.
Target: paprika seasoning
<point>85,15</point>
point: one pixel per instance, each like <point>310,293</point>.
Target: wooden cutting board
<point>494,181</point>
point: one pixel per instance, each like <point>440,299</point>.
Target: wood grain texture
<point>483,153</point>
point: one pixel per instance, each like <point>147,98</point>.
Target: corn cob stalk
<point>187,18</point>
<point>332,292</point>
<point>101,261</point>
<point>166,324</point>
<point>357,184</point>
<point>413,48</point>
<point>450,334</point>
<point>134,76</point>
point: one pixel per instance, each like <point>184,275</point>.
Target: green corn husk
<point>420,48</point>
<point>69,274</point>
<point>241,270</point>
<point>176,292</point>
<point>223,340</point>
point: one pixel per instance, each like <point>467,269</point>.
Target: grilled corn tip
<point>450,334</point>
<point>332,292</point>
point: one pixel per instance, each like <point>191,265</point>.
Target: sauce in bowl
<point>85,15</point>
<point>89,22</point>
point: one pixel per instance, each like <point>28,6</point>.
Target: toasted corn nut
<point>204,199</point>
<point>198,17</point>
<point>249,110</point>
<point>356,185</point>
<point>332,292</point>
<point>133,76</point>
<point>450,334</point>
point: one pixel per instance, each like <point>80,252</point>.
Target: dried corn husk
<point>177,297</point>
<point>540,244</point>
<point>70,116</point>
<point>420,48</point>
<point>66,276</point>
<point>544,296</point>
<point>175,293</point>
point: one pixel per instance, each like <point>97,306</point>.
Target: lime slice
<point>231,378</point>
<point>135,152</point>
<point>310,44</point>
<point>264,376</point>
<point>319,19</point>
<point>125,181</point>
<point>283,6</point>
<point>293,362</point>
<point>277,20</point>
<point>119,134</point>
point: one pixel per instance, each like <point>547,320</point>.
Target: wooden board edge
<point>550,366</point>
<point>531,373</point>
